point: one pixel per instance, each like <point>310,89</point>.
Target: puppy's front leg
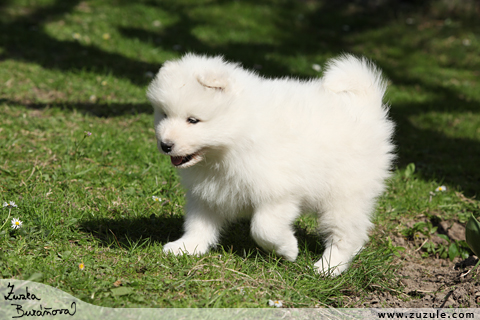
<point>202,229</point>
<point>272,228</point>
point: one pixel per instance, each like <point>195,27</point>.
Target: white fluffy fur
<point>270,149</point>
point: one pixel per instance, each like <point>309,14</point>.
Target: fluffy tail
<point>355,75</point>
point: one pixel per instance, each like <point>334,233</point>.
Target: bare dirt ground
<point>432,282</point>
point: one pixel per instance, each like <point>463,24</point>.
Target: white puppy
<point>269,149</point>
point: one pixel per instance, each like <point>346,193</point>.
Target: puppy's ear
<point>212,80</point>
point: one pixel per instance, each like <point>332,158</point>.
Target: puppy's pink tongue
<point>176,160</point>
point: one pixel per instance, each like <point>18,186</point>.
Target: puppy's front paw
<point>327,267</point>
<point>184,246</point>
<point>288,250</point>
<point>334,260</point>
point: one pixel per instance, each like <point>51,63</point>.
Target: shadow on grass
<point>103,110</point>
<point>123,232</point>
<point>235,238</point>
<point>326,30</point>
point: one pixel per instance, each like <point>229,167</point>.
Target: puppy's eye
<point>192,120</point>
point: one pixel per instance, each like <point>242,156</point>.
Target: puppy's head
<point>192,100</point>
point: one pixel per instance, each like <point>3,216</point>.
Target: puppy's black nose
<point>166,147</point>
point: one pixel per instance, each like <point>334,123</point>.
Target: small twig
<point>118,243</point>
<point>241,273</point>
<point>471,270</point>
<point>466,273</point>
<point>422,245</point>
<point>446,298</point>
<point>424,291</point>
<point>33,170</point>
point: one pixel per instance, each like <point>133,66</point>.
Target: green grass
<point>68,67</point>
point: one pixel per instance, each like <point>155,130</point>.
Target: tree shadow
<point>102,110</point>
<point>23,39</point>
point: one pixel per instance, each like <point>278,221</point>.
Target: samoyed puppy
<point>270,149</point>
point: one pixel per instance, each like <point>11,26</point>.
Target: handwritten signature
<point>40,311</point>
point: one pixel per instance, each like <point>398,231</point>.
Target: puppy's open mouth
<point>186,161</point>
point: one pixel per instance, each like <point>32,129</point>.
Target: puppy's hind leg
<point>345,226</point>
<point>271,228</point>
<point>202,230</point>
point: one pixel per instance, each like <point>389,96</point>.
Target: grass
<point>70,67</point>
